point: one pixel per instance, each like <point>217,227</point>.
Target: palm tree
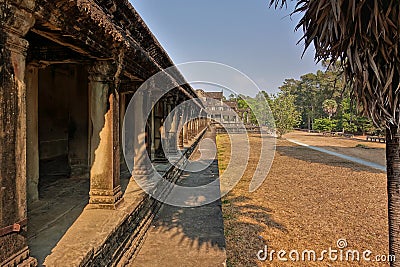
<point>330,107</point>
<point>365,36</point>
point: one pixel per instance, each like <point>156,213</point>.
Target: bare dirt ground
<point>309,200</point>
<point>370,151</point>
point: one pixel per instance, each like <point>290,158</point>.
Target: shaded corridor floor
<point>191,236</point>
<point>61,203</point>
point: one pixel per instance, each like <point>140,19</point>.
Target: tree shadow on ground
<point>203,228</point>
<point>244,224</point>
<point>189,235</point>
<point>202,225</point>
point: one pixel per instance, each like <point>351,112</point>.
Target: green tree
<point>312,89</point>
<point>285,113</point>
<point>364,125</point>
<point>325,125</point>
<point>232,97</point>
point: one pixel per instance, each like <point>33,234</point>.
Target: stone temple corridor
<point>69,71</point>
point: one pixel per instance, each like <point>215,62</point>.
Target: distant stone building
<point>218,109</point>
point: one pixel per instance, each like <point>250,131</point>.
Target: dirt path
<point>309,200</point>
<point>369,151</point>
<point>340,155</point>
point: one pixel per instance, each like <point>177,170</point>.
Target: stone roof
<point>231,104</point>
<point>214,95</point>
<point>105,30</point>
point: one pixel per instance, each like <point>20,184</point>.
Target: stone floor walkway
<point>61,203</point>
<point>191,236</point>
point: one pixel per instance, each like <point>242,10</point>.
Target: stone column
<point>122,112</point>
<point>105,189</point>
<point>193,128</point>
<point>32,129</point>
<point>182,132</point>
<point>203,115</point>
<point>153,132</point>
<point>190,130</point>
<point>142,168</point>
<point>185,129</point>
<point>200,124</point>
<point>172,135</point>
<point>190,126</point>
<point>15,24</point>
<point>159,131</point>
<point>172,131</point>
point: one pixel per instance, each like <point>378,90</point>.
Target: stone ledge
<point>111,237</point>
<point>21,259</point>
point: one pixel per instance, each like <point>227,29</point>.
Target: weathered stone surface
<point>15,23</point>
<point>32,160</point>
<point>110,237</point>
<point>187,236</point>
<point>79,32</point>
<point>105,189</point>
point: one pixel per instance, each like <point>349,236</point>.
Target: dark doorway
<point>63,122</point>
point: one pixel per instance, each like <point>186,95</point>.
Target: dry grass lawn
<point>308,201</point>
<point>359,148</point>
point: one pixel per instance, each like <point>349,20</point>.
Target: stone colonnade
<point>19,148</point>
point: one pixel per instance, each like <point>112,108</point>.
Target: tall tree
<point>365,36</point>
<point>285,114</point>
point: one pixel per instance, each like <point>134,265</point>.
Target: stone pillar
<point>197,126</point>
<point>190,125</point>
<point>32,136</point>
<point>159,131</point>
<point>153,132</point>
<point>105,189</point>
<point>190,130</point>
<point>15,24</point>
<point>193,128</point>
<point>122,112</point>
<point>172,136</point>
<point>142,168</point>
<point>203,115</point>
<point>172,131</point>
<point>180,140</point>
<point>185,130</point>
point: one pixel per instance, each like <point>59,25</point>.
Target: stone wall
<point>63,119</point>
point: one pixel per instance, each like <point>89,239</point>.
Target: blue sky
<point>244,34</point>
